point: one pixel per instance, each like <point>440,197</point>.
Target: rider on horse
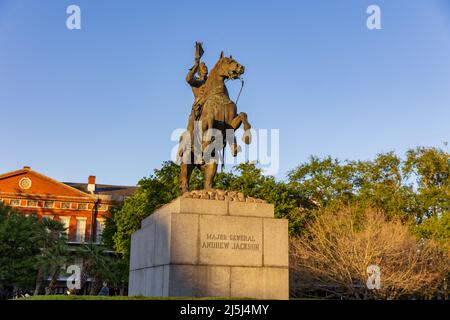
<point>213,113</point>
<point>196,78</point>
<point>198,86</point>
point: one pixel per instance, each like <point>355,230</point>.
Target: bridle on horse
<point>237,99</point>
<point>240,91</point>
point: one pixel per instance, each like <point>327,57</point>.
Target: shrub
<point>333,256</point>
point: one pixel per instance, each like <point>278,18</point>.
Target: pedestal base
<point>217,248</point>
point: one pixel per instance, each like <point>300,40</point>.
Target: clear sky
<point>105,99</point>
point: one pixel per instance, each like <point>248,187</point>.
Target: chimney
<point>91,184</point>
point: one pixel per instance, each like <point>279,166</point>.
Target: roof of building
<point>105,189</point>
<point>66,189</point>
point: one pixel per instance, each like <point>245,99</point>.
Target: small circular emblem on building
<point>25,183</point>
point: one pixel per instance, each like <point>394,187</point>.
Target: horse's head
<point>229,68</point>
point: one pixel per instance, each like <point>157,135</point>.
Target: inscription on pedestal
<point>233,241</point>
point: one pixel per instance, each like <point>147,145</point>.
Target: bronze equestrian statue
<point>212,109</point>
<point>198,86</point>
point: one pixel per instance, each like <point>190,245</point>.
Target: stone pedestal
<point>204,248</point>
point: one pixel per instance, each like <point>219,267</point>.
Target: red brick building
<point>81,207</point>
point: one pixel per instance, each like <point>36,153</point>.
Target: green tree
<point>96,264</point>
<point>20,240</point>
<point>324,181</point>
<point>380,184</point>
<point>436,228</point>
<point>152,192</point>
<point>251,181</point>
<point>429,169</point>
<point>383,183</point>
<point>54,254</point>
<point>110,226</point>
<point>30,246</point>
<point>118,273</point>
<point>19,247</point>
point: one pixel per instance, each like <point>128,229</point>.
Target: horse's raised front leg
<point>230,139</point>
<point>241,118</point>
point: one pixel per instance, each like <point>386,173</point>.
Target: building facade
<point>81,207</point>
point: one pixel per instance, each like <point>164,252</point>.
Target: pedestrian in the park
<point>104,291</point>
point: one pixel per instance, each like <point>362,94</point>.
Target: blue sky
<point>105,99</point>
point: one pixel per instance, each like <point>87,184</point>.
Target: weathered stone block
<point>157,283</point>
<point>276,242</point>
<point>135,251</point>
<point>276,283</point>
<point>251,209</point>
<point>260,283</point>
<point>197,247</point>
<point>199,281</point>
<point>181,281</point>
<point>142,253</point>
<point>211,281</point>
<point>184,238</point>
<point>199,206</point>
<point>162,239</point>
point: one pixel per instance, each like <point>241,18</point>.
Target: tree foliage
<point>429,169</point>
<point>27,244</point>
<point>152,192</point>
<point>413,190</point>
<point>54,253</point>
<point>417,187</point>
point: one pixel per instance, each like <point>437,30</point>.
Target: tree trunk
<point>52,285</point>
<point>122,289</point>
<point>39,281</point>
<point>84,276</point>
<point>95,285</point>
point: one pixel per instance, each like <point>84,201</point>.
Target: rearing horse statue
<point>219,113</point>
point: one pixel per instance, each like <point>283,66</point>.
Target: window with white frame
<point>32,203</point>
<point>82,206</point>
<point>49,204</point>
<point>81,230</point>
<point>14,203</point>
<point>100,228</point>
<point>65,205</point>
<point>66,223</point>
